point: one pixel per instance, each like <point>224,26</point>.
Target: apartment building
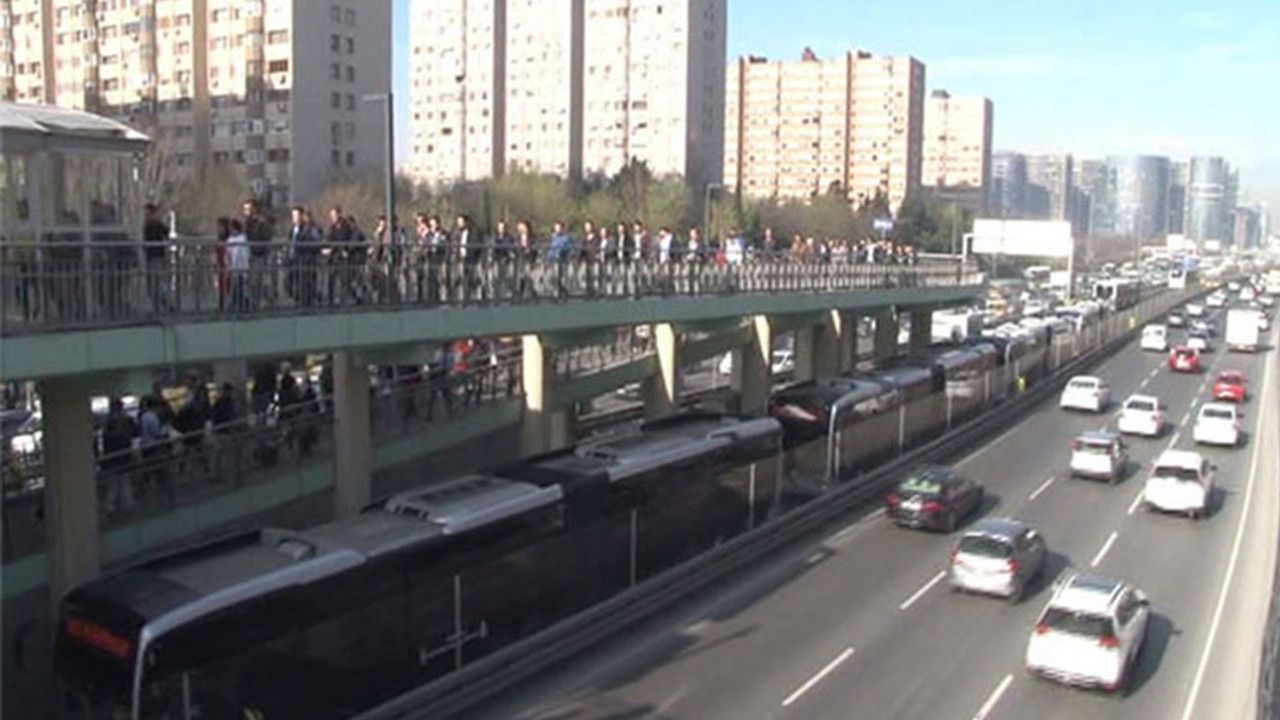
<point>795,129</point>
<point>957,148</point>
<point>576,88</point>
<point>244,83</point>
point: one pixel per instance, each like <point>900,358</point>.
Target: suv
<point>997,556</point>
<point>1098,454</point>
<point>1090,633</point>
<point>1217,424</point>
<point>1085,392</point>
<point>1141,415</point>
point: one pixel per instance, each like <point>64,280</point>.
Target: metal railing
<point>66,286</point>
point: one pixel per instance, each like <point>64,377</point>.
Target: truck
<point>1243,328</point>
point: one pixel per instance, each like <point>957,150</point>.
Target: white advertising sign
<point>1023,238</point>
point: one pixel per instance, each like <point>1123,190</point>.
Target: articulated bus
<point>324,623</point>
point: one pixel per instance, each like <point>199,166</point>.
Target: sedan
<point>1217,424</point>
<point>1175,319</point>
<point>935,498</point>
<point>1230,386</point>
<point>1198,341</point>
<point>1195,310</point>
<point>1085,392</point>
<point>1140,415</point>
<point>1184,359</point>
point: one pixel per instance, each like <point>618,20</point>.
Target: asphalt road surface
<point>862,625</point>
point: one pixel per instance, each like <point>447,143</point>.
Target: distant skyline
<point>1089,77</point>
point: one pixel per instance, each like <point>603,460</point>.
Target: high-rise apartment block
<point>246,83</point>
<point>1209,216</point>
<point>574,87</point>
<point>1051,181</point>
<point>957,148</point>
<point>796,129</point>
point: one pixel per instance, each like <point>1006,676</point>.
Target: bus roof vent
<point>291,544</point>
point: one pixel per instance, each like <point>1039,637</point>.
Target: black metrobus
<point>326,622</point>
<point>835,426</point>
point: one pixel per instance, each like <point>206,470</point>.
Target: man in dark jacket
<point>155,239</point>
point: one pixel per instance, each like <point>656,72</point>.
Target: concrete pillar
<point>752,378</point>
<point>71,486</point>
<point>353,445</point>
<point>817,352</point>
<point>847,340</point>
<point>662,391</point>
<point>543,426</point>
<point>921,329</point>
<point>886,337</point>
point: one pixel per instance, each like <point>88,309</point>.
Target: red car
<point>1184,359</point>
<point>1230,386</point>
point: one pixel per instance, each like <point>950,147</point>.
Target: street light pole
<point>390,139</point>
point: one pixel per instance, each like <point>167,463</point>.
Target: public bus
<point>327,622</point>
<point>1117,294</point>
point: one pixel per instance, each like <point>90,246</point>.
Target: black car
<point>933,497</point>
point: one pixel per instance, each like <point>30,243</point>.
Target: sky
<point>1090,77</point>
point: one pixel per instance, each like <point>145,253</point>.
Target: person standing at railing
<point>303,253</point>
<point>223,279</point>
<point>469,246</point>
<point>437,261</point>
<point>119,431</point>
<point>155,238</point>
<point>503,246</point>
<point>560,252</point>
<point>257,230</point>
<point>526,258</point>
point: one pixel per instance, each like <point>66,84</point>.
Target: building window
<point>335,14</point>
<point>351,102</point>
<point>351,46</point>
<point>335,158</point>
<point>335,71</point>
<point>335,100</point>
<point>351,159</point>
<point>335,43</point>
<point>351,131</point>
<point>351,17</point>
<point>351,74</point>
<point>278,66</point>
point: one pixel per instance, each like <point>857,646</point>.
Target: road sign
<point>883,224</point>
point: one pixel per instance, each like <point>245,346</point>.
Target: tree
<point>209,192</point>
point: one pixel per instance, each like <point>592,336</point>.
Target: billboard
<point>1023,238</point>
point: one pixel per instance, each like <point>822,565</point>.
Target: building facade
<point>852,125</point>
<point>957,147</point>
<point>1009,186</point>
<point>1094,178</point>
<point>1050,185</point>
<point>1141,196</point>
<point>241,83</point>
<point>1208,215</point>
<point>1179,179</point>
<point>577,89</point>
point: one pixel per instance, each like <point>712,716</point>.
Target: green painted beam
<point>419,353</point>
<point>715,346</point>
<point>715,326</point>
<point>581,389</point>
<point>72,353</point>
<point>565,339</point>
<point>799,321</point>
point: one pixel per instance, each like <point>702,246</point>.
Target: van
<point>1155,338</point>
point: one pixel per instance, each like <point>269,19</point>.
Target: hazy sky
<point>1091,77</point>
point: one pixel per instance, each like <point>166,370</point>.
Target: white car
<point>1233,286</point>
<point>1216,300</point>
<point>1098,454</point>
<point>1181,482</point>
<point>1198,341</point>
<point>1217,424</point>
<point>1090,634</point>
<point>1195,310</point>
<point>1155,337</point>
<point>1247,293</point>
<point>1141,415</point>
<point>1085,392</point>
<point>1266,300</point>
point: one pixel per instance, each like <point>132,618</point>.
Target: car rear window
<point>1081,385</point>
<point>920,486</point>
<point>1217,414</point>
<point>1141,405</point>
<point>1077,623</point>
<point>985,546</point>
<point>1177,473</point>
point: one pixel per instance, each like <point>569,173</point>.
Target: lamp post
<point>389,117</point>
<point>706,211</point>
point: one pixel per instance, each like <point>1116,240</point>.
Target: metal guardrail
<point>1268,700</point>
<point>52,286</point>
<point>452,694</point>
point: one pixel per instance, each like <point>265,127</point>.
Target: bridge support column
<point>817,352</point>
<point>662,391</point>
<point>71,486</point>
<point>886,337</point>
<point>353,465</point>
<point>543,426</point>
<point>752,378</point>
<point>921,329</point>
<point>847,345</point>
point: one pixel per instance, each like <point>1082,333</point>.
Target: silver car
<point>997,556</point>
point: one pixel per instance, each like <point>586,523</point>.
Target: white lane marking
<point>994,698</point>
<point>1043,486</point>
<point>1137,500</point>
<point>1106,546</point>
<point>846,534</point>
<point>1154,372</point>
<point>926,588</point>
<point>1185,419</point>
<point>698,627</point>
<point>1236,544</point>
<point>815,558</point>
<point>808,685</point>
<point>1174,440</point>
<point>974,455</point>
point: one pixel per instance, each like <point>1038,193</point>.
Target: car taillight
<point>1011,567</point>
<point>955,557</point>
<point>932,507</point>
<point>1109,641</point>
<point>1042,628</point>
<point>893,499</point>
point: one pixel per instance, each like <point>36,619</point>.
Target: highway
<point>861,623</point>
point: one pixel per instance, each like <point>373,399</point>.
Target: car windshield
<point>1140,406</point>
<point>920,486</point>
<point>1077,623</point>
<point>1217,414</point>
<point>985,546</point>
<point>1177,473</point>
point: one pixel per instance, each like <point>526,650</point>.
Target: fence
<point>65,285</point>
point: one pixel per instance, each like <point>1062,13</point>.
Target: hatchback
<point>997,556</point>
